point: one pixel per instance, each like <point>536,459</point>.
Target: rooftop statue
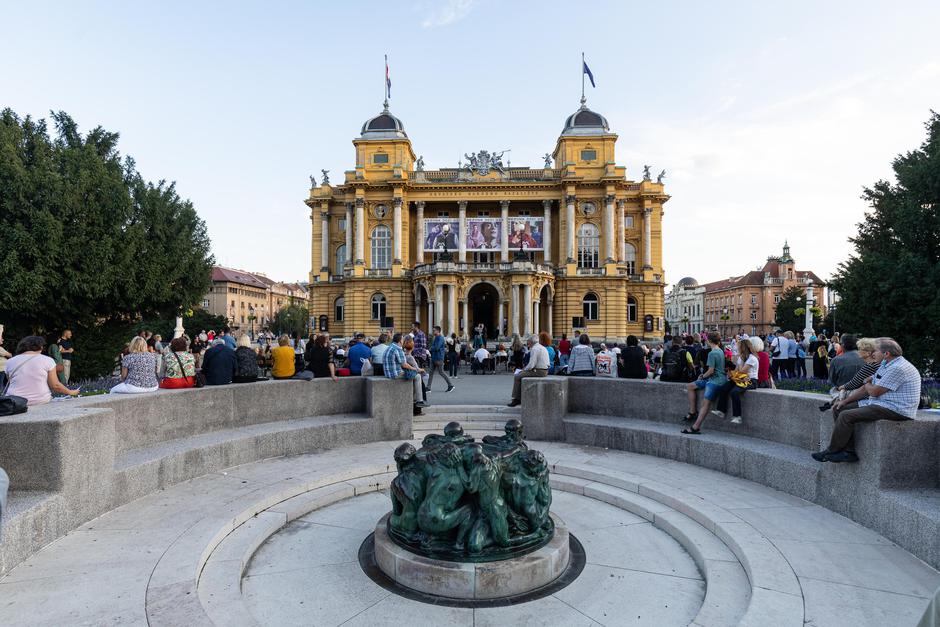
<point>662,175</point>
<point>419,164</point>
<point>326,178</point>
<point>646,173</point>
<point>484,161</point>
<point>548,160</point>
<point>313,182</point>
<point>461,500</point>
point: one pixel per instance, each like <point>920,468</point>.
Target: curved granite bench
<point>894,489</point>
<point>74,460</point>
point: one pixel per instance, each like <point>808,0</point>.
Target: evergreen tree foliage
<point>890,285</point>
<point>85,241</point>
<point>790,314</point>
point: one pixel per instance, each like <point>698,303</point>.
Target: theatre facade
<point>568,247</point>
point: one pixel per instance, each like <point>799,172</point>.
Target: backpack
<point>673,368</point>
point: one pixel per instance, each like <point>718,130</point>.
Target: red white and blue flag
<point>388,81</point>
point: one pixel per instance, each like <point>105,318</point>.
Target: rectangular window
<point>380,157</point>
<point>777,299</point>
<point>753,299</point>
<point>483,214</point>
<point>588,155</point>
<point>205,303</point>
<point>342,225</point>
<point>590,310</point>
<point>628,222</point>
<point>524,212</point>
<point>753,315</point>
<point>443,214</point>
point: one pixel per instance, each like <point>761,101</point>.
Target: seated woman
<point>33,375</point>
<point>633,360</point>
<point>581,362</point>
<point>741,379</point>
<point>180,366</point>
<point>378,354</point>
<point>319,360</point>
<point>283,357</point>
<point>246,361</point>
<point>138,370</point>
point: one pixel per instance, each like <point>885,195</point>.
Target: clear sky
<point>768,119</point>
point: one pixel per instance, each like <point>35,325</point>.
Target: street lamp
<point>251,321</point>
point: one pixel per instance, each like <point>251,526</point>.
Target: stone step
<point>509,412</point>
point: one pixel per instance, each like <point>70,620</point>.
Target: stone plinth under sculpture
<point>471,519</point>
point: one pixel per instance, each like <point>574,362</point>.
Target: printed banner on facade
<point>527,231</point>
<point>436,236</point>
<point>483,234</point>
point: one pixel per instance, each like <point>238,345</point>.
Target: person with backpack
<point>633,360</point>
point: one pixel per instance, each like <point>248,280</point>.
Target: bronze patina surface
<point>462,500</point>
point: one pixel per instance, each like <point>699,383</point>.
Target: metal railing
<point>488,268</point>
<point>454,175</point>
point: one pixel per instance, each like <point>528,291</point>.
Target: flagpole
<point>582,78</point>
<point>385,82</point>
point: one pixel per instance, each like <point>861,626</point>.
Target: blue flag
<point>587,71</point>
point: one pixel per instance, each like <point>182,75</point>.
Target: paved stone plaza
<point>275,541</point>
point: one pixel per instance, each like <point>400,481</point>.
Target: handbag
<point>198,379</point>
<point>12,405</point>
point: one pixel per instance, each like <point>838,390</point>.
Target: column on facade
<point>466,317</point>
<point>438,306</point>
<point>349,233</point>
<point>324,241</point>
<point>547,230</point>
<point>569,219</point>
<point>499,320</point>
<point>360,231</point>
<point>431,309</point>
<point>417,309</point>
<point>536,304</point>
<point>419,251</point>
<point>621,231</point>
<point>610,234</point>
<point>647,238</point>
<point>462,231</point>
<point>514,321</point>
<point>396,230</point>
<point>526,309</point>
<point>452,309</point>
<point>504,234</point>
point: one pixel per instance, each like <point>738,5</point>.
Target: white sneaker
<point>715,412</point>
<point>736,420</point>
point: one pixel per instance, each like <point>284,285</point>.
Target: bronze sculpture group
<point>462,500</point>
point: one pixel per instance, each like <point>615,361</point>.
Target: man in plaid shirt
<point>420,350</point>
<point>892,394</point>
<point>395,367</point>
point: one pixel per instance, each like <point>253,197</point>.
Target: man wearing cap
<point>537,367</point>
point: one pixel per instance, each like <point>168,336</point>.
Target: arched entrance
<point>422,311</point>
<point>483,305</point>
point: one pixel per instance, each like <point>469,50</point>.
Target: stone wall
<point>894,489</point>
<point>72,461</point>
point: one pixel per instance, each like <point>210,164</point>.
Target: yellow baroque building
<point>571,248</point>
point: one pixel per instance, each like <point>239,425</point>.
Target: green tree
<point>86,242</point>
<point>790,314</point>
<point>291,319</point>
<point>889,285</point>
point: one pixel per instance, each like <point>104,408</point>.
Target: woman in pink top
<point>32,374</point>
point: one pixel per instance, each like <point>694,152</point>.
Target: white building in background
<point>685,307</point>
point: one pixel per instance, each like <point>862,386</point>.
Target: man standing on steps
<point>537,367</point>
<point>437,359</point>
<point>420,351</point>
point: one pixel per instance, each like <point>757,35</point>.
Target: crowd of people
<point>869,378</point>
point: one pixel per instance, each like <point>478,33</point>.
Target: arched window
<point>589,306</point>
<point>381,247</point>
<point>340,259</point>
<point>589,245</point>
<point>378,307</point>
<point>631,309</point>
<point>629,258</point>
<point>339,309</point>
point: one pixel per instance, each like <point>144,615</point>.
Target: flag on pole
<point>587,71</point>
<point>388,81</point>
